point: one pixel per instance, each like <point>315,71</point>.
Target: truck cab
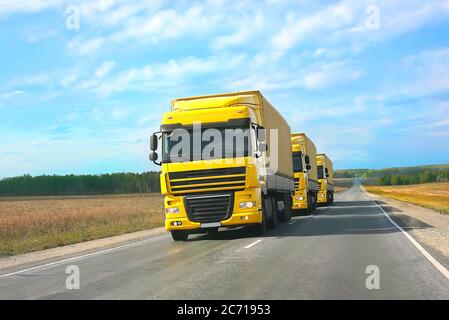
<point>215,161</point>
<point>304,168</point>
<point>325,180</point>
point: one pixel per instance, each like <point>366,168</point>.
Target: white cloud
<point>168,24</point>
<point>311,77</point>
<point>425,73</point>
<point>38,34</point>
<point>84,47</point>
<point>158,75</point>
<point>332,17</point>
<point>104,69</point>
<point>408,16</point>
<point>8,7</point>
<point>246,27</point>
<point>7,97</point>
<point>69,79</point>
<point>344,23</point>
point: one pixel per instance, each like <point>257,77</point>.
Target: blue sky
<point>85,100</point>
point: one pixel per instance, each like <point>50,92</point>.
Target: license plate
<point>211,225</point>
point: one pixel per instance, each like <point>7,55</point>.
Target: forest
<point>146,182</point>
<point>115,183</point>
<point>400,175</point>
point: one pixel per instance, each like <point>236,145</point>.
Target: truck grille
<point>296,184</point>
<point>210,207</point>
<point>207,180</point>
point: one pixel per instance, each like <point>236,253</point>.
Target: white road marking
<point>426,254</point>
<point>291,222</point>
<point>253,244</point>
<point>83,256</point>
<point>384,229</point>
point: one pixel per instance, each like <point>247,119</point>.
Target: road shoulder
<point>429,227</point>
<point>13,263</point>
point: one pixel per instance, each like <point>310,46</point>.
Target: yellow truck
<point>325,180</point>
<point>224,164</point>
<point>305,173</point>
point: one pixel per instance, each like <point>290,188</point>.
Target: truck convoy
<point>305,173</point>
<point>226,161</point>
<point>325,180</point>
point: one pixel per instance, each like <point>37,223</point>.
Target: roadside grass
<point>30,224</point>
<point>430,195</point>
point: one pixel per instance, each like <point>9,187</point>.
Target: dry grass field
<point>36,223</point>
<point>430,195</point>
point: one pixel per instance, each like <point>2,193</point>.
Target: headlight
<point>299,198</point>
<point>247,204</point>
<point>172,210</point>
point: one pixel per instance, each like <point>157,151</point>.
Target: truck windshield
<point>297,162</point>
<point>183,145</point>
<point>320,172</point>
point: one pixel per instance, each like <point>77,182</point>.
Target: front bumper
<point>322,197</point>
<point>300,204</point>
<point>239,216</point>
<point>236,219</point>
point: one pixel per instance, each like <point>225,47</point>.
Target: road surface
<point>323,256</point>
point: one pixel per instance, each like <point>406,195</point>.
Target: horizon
<point>368,84</point>
<point>156,171</point>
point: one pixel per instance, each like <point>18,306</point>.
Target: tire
<point>179,235</point>
<point>261,228</point>
<point>288,212</point>
<point>282,214</point>
<point>273,222</point>
<point>309,204</point>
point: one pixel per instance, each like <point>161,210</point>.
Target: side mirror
<point>153,143</point>
<point>327,175</point>
<point>153,156</point>
<point>308,167</point>
<point>263,147</point>
<point>307,159</point>
<point>261,134</point>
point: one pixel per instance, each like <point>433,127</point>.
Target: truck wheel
<point>273,222</point>
<point>261,228</point>
<point>179,235</point>
<point>310,202</point>
<point>332,198</point>
<point>288,212</point>
<point>282,214</point>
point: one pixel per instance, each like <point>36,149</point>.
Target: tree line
<point>398,176</point>
<point>115,183</point>
<point>423,177</point>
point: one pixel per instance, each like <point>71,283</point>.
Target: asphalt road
<point>323,256</point>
